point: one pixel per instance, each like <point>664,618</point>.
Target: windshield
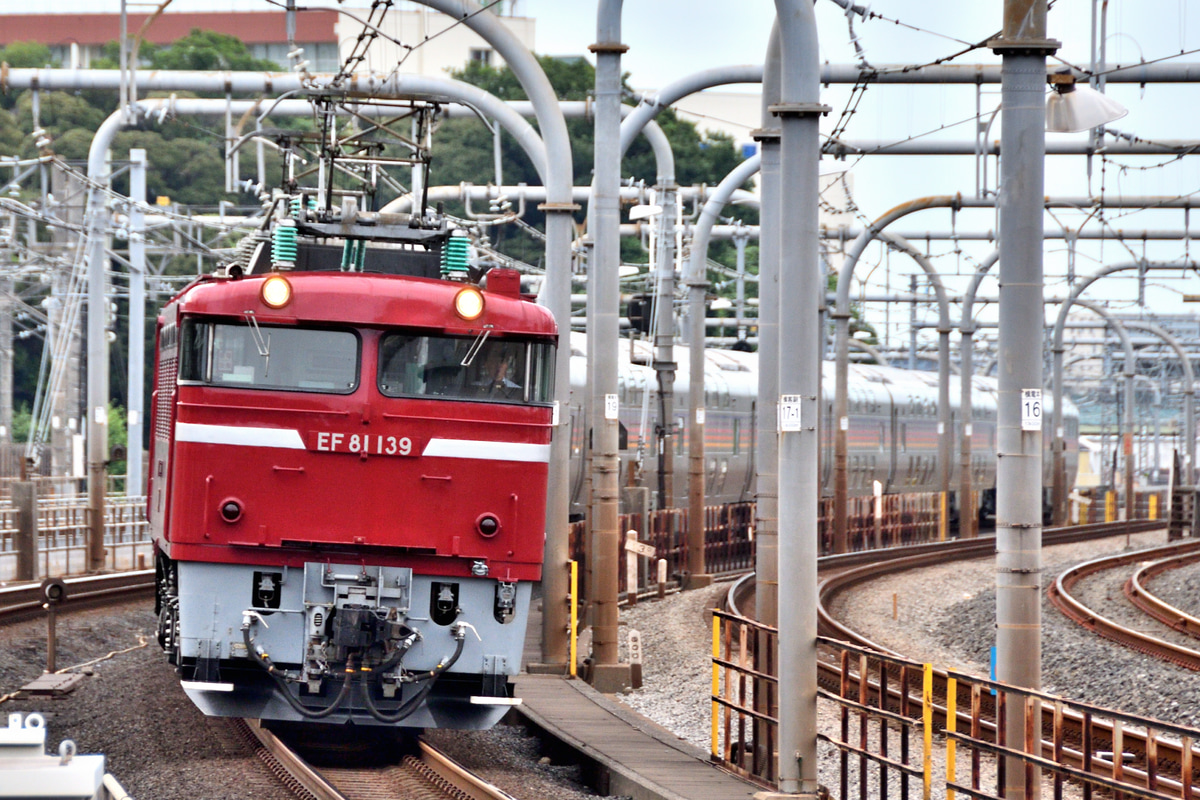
<point>501,370</point>
<point>267,357</point>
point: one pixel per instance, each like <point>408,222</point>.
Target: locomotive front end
<point>348,495</point>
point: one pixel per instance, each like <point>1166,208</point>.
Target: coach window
<point>247,355</point>
<point>466,368</point>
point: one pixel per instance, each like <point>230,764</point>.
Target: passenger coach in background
<point>892,431</point>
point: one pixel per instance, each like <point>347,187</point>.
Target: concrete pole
<point>697,283</point>
<point>766,457</point>
<point>664,336</point>
<point>134,485</point>
<point>1023,47</point>
<point>766,460</point>
<point>968,515</point>
<point>604,301</point>
<point>800,282</point>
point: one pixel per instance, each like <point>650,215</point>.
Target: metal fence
<point>63,531</point>
<point>1107,505</point>
<point>904,727</point>
<point>729,533</point>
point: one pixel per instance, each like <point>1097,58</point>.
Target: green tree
<point>11,135</point>
<point>58,113</point>
<point>27,55</point>
<point>117,438</point>
<point>22,422</point>
<point>205,50</point>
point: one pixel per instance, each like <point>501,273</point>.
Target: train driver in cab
<point>500,375</point>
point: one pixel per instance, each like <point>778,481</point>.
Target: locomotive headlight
<point>487,525</point>
<point>468,303</point>
<point>276,292</point>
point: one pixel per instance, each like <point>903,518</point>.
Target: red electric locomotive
<point>348,479</point>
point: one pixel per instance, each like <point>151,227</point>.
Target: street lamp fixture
<point>1074,107</point>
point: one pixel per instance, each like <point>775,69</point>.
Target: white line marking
<point>495,701</point>
<point>206,686</point>
<point>288,439</point>
<point>488,451</point>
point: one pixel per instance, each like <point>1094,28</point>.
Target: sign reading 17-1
<point>1031,409</point>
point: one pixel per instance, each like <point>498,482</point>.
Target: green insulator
<point>284,247</point>
<point>454,255</point>
<point>294,205</point>
<point>354,252</point>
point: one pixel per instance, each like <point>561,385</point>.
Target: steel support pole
<point>134,485</point>
<point>1189,391</point>
<point>696,324</point>
<point>96,417</point>
<point>1023,47</point>
<point>604,299</point>
<point>1060,325</point>
<point>799,366</point>
<point>841,420</point>
<point>739,241</point>
<point>841,316</point>
<point>6,355</point>
<point>968,514</point>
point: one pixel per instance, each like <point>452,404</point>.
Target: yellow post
<point>1110,506</point>
<point>716,682</point>
<point>943,517</point>
<point>951,720</point>
<point>574,613</point>
<point>1153,506</point>
<point>927,718</point>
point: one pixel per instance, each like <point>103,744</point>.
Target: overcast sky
<point>669,40</point>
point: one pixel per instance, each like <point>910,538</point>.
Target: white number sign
<point>1031,409</point>
<point>789,412</point>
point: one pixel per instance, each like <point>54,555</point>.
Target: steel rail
<point>1153,605</point>
<point>439,774</point>
<point>88,591</point>
<point>1060,595</point>
<point>1167,751</point>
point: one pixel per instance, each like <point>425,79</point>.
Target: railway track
<point>1143,642</point>
<point>1080,738</point>
<point>420,772</point>
<point>90,591</point>
<point>425,774</point>
<point>1138,593</point>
